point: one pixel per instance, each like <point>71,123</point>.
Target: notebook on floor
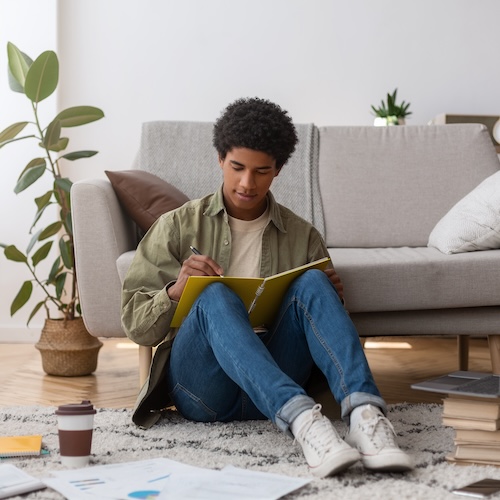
<point>465,383</point>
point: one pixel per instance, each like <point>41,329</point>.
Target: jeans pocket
<point>191,406</point>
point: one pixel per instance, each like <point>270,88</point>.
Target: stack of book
<point>477,429</point>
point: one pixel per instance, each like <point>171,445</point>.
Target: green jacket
<point>288,241</point>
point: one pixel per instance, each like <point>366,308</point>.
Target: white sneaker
<point>325,451</point>
<point>374,437</point>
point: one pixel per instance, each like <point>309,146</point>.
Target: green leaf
<point>32,242</point>
<point>69,223</point>
<point>53,134</point>
<point>31,175</point>
<point>76,155</point>
<point>79,115</point>
<point>36,162</point>
<point>35,310</point>
<point>42,203</point>
<point>44,200</point>
<point>390,105</point>
<point>66,255</point>
<point>50,230</point>
<point>42,77</point>
<point>11,132</point>
<point>63,183</point>
<point>18,66</point>
<point>55,269</point>
<point>63,212</point>
<point>60,146</point>
<point>60,282</point>
<point>2,144</point>
<point>22,297</point>
<point>57,195</point>
<point>12,253</point>
<point>41,253</point>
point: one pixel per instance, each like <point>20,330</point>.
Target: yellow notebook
<point>19,446</point>
<point>261,296</point>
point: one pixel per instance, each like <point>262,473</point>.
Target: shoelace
<point>321,433</point>
<point>380,430</point>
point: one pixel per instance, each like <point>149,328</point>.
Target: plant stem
<point>62,201</point>
<point>57,303</point>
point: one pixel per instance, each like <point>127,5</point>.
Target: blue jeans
<point>221,370</point>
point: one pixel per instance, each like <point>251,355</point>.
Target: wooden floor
<point>396,364</point>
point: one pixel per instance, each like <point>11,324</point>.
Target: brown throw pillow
<point>144,196</point>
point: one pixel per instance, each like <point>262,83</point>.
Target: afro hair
<point>256,124</point>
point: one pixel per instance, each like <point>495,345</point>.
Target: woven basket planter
<point>67,349</point>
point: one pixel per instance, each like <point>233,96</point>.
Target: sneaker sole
<point>337,463</point>
<point>390,462</point>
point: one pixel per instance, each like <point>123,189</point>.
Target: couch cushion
<point>473,223</point>
<point>389,186</point>
<point>400,279</point>
<point>407,279</point>
<point>123,263</point>
<point>144,196</point>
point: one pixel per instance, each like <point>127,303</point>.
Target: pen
<point>194,250</point>
<point>258,293</point>
<point>197,252</point>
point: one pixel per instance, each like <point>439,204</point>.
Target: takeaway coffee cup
<point>75,423</point>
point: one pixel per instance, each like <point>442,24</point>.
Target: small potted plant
<point>65,345</point>
<point>390,113</point>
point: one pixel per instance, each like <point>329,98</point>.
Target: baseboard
<point>19,335</point>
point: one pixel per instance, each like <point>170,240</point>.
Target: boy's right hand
<point>194,265</point>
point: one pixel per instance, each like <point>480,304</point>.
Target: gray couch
<point>376,194</point>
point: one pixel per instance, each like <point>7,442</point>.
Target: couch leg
<point>145,357</point>
<point>494,343</point>
<point>463,352</point>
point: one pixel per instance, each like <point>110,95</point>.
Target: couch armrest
<point>102,232</point>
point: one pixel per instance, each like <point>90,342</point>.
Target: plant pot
<point>67,348</point>
<point>388,121</point>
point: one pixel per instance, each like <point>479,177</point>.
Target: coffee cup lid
<point>83,408</point>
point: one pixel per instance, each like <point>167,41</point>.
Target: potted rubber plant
<point>66,347</point>
<point>391,113</point>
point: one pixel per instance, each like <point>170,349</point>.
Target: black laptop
<point>478,384</point>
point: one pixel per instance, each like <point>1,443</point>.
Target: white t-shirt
<point>246,246</point>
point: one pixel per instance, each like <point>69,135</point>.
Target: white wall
<point>31,25</point>
<point>326,61</point>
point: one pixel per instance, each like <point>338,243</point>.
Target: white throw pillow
<point>473,223</point>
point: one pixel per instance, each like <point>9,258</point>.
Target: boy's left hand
<point>336,282</point>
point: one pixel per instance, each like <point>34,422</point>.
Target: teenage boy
<point>216,367</point>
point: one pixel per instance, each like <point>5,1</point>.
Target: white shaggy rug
<point>257,445</point>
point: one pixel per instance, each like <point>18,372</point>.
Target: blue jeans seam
<point>180,388</point>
